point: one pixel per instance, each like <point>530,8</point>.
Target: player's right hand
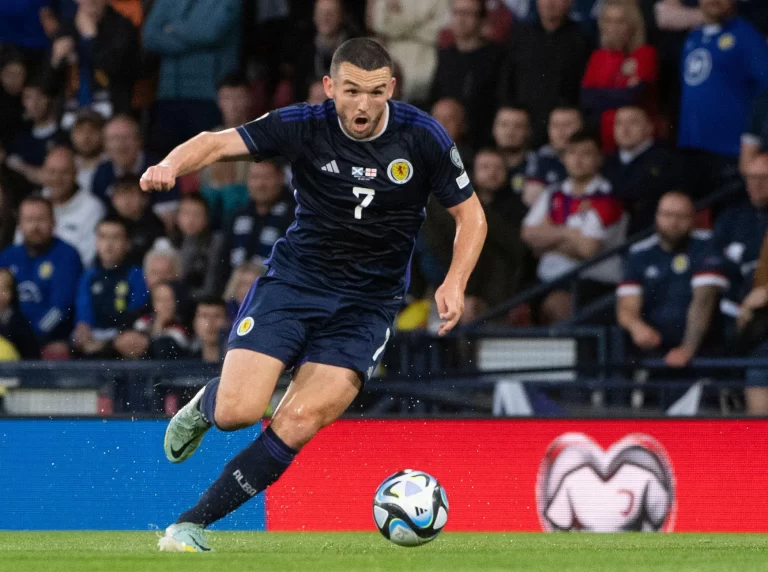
<point>161,177</point>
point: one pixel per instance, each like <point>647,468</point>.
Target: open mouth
<point>361,122</point>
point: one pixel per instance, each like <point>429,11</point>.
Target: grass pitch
<point>318,552</point>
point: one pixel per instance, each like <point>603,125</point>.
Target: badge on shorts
<point>400,171</point>
<point>245,326</point>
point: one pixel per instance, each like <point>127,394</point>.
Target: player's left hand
<point>450,305</point>
<point>678,357</point>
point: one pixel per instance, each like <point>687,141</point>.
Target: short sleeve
<point>448,178</point>
<point>279,133</point>
<point>710,269</point>
<point>632,281</point>
<point>539,211</point>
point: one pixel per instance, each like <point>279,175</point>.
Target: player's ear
<point>328,86</point>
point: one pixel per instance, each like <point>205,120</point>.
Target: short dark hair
<point>233,79</point>
<point>128,181</point>
<point>39,199</point>
<point>114,219</point>
<point>211,301</point>
<point>197,198</point>
<point>584,136</point>
<point>364,53</point>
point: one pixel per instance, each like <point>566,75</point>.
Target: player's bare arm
<point>197,153</point>
<point>471,229</point>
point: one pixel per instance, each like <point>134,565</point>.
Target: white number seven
<point>367,195</point>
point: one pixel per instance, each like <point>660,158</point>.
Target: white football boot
<point>185,431</point>
<point>184,537</point>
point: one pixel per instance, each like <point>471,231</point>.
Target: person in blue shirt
<point>671,286</point>
<point>47,270</point>
<point>107,291</point>
<point>725,67</point>
<point>363,169</point>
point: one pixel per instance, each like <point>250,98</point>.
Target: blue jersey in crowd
<point>47,286</point>
<point>724,68</point>
<point>666,280</point>
<point>104,295</point>
<point>360,204</point>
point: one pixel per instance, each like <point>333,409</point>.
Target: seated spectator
<point>719,86</point>
<point>47,270</point>
<point>198,44</point>
<point>77,211</point>
<point>449,113</point>
<point>107,291</point>
<point>14,326</point>
<point>258,225</point>
<point>754,140</point>
<point>209,324</point>
<point>571,223</point>
<point>672,281</point>
<point>622,72</point>
<point>13,74</point>
<point>29,149</point>
<point>545,64</point>
<point>95,56</point>
<point>641,171</point>
<point>512,134</point>
<point>201,249</point>
<point>162,264</point>
<point>468,71</point>
<point>223,184</point>
<point>240,282</point>
<point>132,204</point>
<point>123,144</point>
<point>546,167</point>
<point>88,144</point>
<point>410,31</point>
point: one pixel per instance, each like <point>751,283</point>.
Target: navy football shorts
<point>298,324</point>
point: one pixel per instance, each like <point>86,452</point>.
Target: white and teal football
<point>410,508</point>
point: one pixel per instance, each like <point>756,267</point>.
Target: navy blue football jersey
<point>360,204</point>
<point>666,280</point>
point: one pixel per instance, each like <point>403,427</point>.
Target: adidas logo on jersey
<point>331,167</point>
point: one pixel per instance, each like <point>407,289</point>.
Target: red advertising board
<point>533,475</point>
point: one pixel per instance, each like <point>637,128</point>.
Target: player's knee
<point>231,415</point>
<point>297,425</point>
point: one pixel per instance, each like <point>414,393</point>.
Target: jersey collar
<point>371,138</point>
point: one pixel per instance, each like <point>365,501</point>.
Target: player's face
<point>674,218</point>
<point>511,129</point>
<point>87,140</point>
<point>615,28</point>
<point>192,219</point>
<point>265,183</point>
<point>111,244</point>
<point>450,114</point>
<point>489,172</point>
<point>209,321</point>
<point>631,128</point>
<point>59,174</point>
<point>361,98</point>
<point>35,224</point>
<point>582,160</point>
<point>716,10</point>
<point>757,181</point>
<point>563,123</point>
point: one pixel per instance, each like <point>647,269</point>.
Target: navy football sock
<point>207,405</point>
<point>251,471</point>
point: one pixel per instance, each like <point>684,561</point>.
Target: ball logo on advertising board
<point>628,487</point>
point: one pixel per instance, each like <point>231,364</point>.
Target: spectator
<point>162,264</point>
<point>469,70</point>
<point>546,167</point>
<point>545,64</point>
<point>47,270</point>
<point>77,211</point>
<point>409,30</point>
<point>310,57</point>
<point>198,43</point>
<point>240,282</point>
<point>107,291</point>
<point>725,67</point>
<point>13,74</point>
<point>88,143</point>
<point>201,249</point>
<point>123,144</point>
<point>512,134</point>
<point>671,286</point>
<point>164,336</point>
<point>223,184</point>
<point>754,140</point>
<point>571,223</point>
<point>450,114</point>
<point>316,93</point>
<point>622,72</point>
<point>258,225</point>
<point>95,56</point>
<point>132,204</point>
<point>28,151</point>
<point>14,326</point>
<point>640,171</point>
<point>210,321</point>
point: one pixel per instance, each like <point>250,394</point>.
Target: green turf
<point>316,552</point>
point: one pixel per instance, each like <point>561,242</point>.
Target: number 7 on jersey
<point>367,195</point>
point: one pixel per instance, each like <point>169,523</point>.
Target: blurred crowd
<point>574,119</point>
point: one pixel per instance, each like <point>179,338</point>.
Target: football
<point>410,508</point>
